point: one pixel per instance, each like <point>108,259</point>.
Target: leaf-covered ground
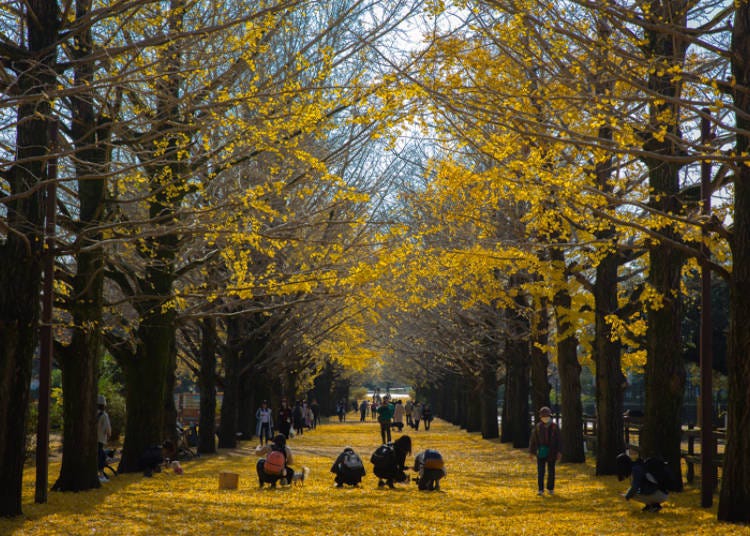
<point>490,489</point>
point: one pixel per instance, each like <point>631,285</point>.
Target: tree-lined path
<point>489,490</point>
<point>499,203</point>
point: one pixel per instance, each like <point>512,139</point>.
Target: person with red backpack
<point>545,446</point>
<point>275,466</point>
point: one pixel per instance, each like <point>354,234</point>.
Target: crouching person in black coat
<point>649,480</point>
<point>389,462</point>
<point>430,468</point>
<point>348,468</point>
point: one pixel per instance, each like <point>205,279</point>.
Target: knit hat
<point>101,401</point>
<point>544,411</point>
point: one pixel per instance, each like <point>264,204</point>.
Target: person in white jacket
<point>103,431</point>
<point>398,415</point>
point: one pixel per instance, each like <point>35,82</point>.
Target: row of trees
<point>561,213</point>
<point>228,179</point>
<point>215,165</point>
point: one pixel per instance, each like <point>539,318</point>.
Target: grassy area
<point>490,489</point>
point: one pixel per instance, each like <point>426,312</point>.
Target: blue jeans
<point>101,456</point>
<point>549,463</point>
<point>265,432</point>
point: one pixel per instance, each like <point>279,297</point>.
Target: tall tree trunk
<point>146,386</point>
<point>80,361</point>
<point>463,412</point>
<point>734,500</point>
<point>20,268</point>
<point>540,385</point>
<point>474,409</point>
<point>148,375</point>
<point>570,379</point>
<point>169,408</point>
<point>665,374</point>
<point>569,370</point>
<point>229,404</point>
<point>610,382</point>
<point>207,387</point>
<point>488,397</point>
<point>322,389</point>
<point>518,356</point>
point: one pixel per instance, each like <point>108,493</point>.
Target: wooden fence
<point>690,441</point>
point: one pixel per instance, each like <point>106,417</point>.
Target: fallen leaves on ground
<point>490,489</point>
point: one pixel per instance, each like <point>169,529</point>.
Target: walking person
<point>385,414</point>
<point>427,415</point>
<point>398,416</point>
<point>103,431</point>
<point>363,411</point>
<point>263,423</point>
<point>545,446</point>
<point>309,417</point>
<point>408,407</point>
<point>416,415</point>
<point>315,408</point>
<point>298,418</point>
<point>285,418</point>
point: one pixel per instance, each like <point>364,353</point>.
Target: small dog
<point>262,450</point>
<point>299,477</point>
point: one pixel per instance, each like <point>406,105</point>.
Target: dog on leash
<point>298,479</point>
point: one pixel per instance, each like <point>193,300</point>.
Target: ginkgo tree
<point>633,116</point>
<point>166,101</point>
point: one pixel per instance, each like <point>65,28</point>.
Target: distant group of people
<point>288,419</point>
<point>394,414</point>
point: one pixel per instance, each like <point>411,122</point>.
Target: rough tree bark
<point>734,500</point>
<point>610,381</point>
<point>229,404</point>
<point>515,426</point>
<point>665,374</point>
<point>207,387</point>
<point>540,385</point>
<point>570,378</point>
<point>20,253</point>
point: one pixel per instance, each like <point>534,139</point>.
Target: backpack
<point>351,462</point>
<point>275,462</point>
<point>658,470</point>
<point>432,459</point>
<point>384,456</point>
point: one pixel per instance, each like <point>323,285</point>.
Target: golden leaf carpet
<point>490,489</point>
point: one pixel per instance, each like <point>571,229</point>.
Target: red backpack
<point>275,462</point>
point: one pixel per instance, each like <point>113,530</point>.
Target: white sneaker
<point>103,478</point>
<point>540,492</point>
<point>551,492</point>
